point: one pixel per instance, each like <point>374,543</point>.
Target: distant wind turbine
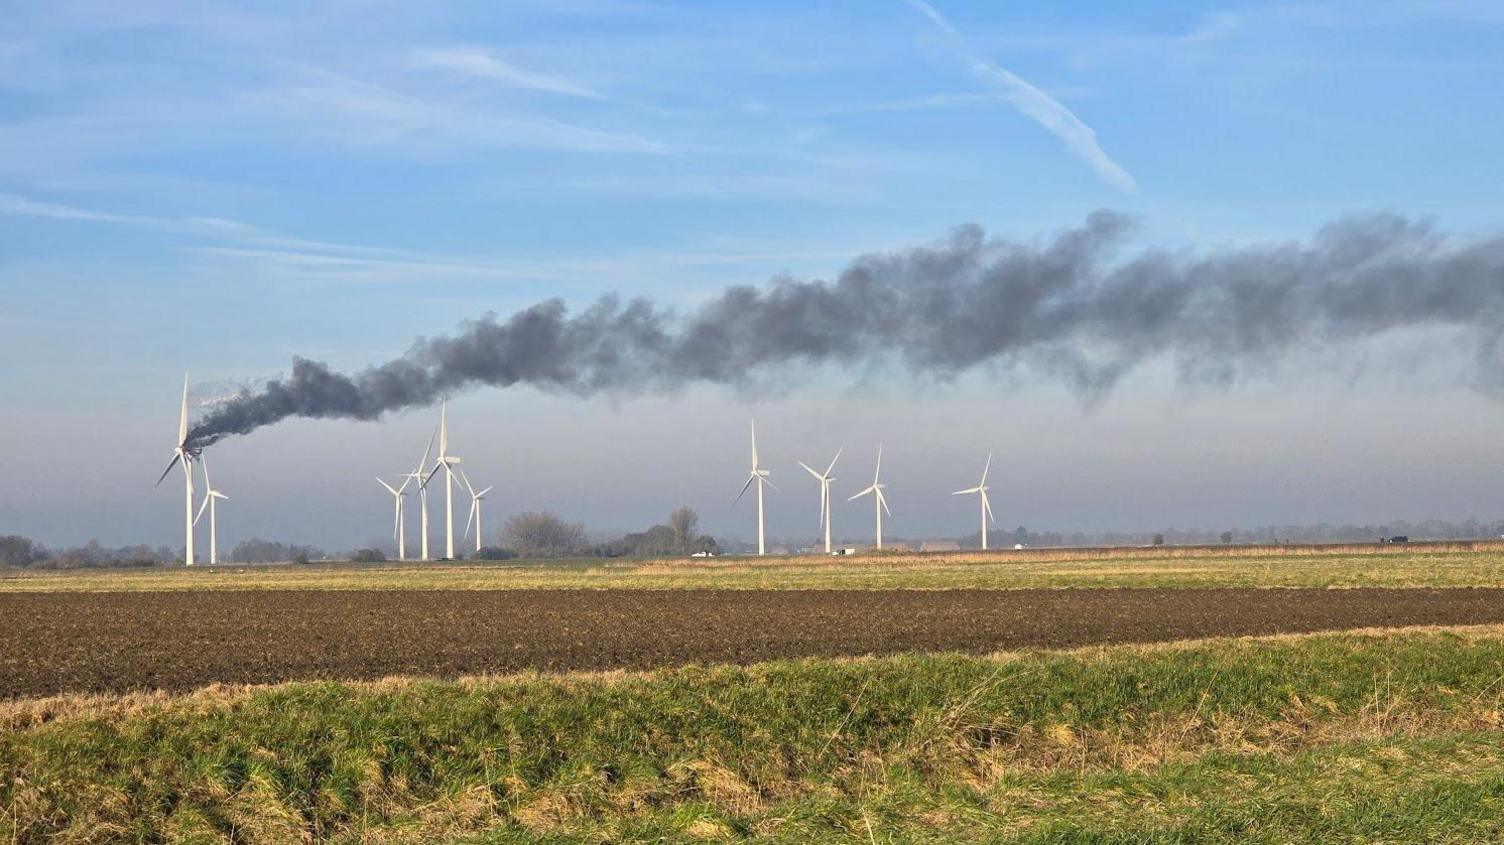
<point>879,501</point>
<point>210,496</point>
<point>399,517</point>
<point>982,489</point>
<point>760,476</point>
<point>447,462</point>
<point>825,480</point>
<point>417,476</point>
<point>185,456</point>
<point>475,500</point>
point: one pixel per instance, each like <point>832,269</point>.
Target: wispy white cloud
<point>276,254</point>
<point>208,228</point>
<point>1032,101</point>
<point>934,102</point>
<point>479,63</point>
<point>365,113</point>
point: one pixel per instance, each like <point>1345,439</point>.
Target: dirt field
<point>60,642</point>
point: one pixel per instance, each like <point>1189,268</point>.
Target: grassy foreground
<point>1469,564</point>
<point>1356,737</point>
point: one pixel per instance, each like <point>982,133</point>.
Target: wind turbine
<point>210,495</point>
<point>982,489</point>
<point>825,480</point>
<point>399,517</point>
<point>185,456</point>
<point>761,477</point>
<point>447,461</point>
<point>879,501</point>
<point>475,500</point>
<point>417,475</point>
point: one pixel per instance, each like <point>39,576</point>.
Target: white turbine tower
<point>824,480</point>
<point>447,462</point>
<point>760,476</point>
<point>475,500</point>
<point>399,516</point>
<point>417,476</point>
<point>879,501</point>
<point>210,495</point>
<point>981,489</point>
<point>185,456</point>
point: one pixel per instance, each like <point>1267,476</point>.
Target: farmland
<point>64,642</point>
<point>1287,694</point>
<point>1468,564</point>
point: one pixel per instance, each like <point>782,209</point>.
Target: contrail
<point>1034,103</point>
<point>1061,307</point>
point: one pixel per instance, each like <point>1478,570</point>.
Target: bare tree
<point>19,551</point>
<point>683,522</point>
<point>543,534</point>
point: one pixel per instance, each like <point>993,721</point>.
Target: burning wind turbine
<point>184,454</point>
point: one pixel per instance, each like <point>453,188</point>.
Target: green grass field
<point>1357,737</point>
<point>1441,565</point>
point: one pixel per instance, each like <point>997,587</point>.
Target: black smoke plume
<point>1063,306</point>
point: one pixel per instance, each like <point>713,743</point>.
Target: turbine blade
<point>987,506</point>
<point>444,428</point>
<point>183,418</point>
<point>751,477</point>
<point>424,462</point>
<point>208,485</point>
<point>831,468</point>
<point>817,475</point>
<point>883,500</point>
<point>871,489</point>
<point>754,444</point>
<point>170,464</point>
<point>218,495</point>
<point>201,510</point>
<point>471,518</point>
<point>389,488</point>
<point>466,479</point>
<point>967,490</point>
<point>485,491</point>
<point>986,467</point>
<point>879,463</point>
<point>769,483</point>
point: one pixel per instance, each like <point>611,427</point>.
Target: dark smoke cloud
<point>1062,306</point>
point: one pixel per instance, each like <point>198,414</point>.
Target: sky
<point>217,189</point>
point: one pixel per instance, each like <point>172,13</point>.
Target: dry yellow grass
<point>1475,563</point>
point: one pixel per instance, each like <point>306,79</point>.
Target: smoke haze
<point>1066,307</point>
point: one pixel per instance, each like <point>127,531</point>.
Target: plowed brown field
<point>64,642</point>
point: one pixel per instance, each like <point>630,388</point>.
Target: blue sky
<point>208,187</point>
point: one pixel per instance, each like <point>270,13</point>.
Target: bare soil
<point>111,642</point>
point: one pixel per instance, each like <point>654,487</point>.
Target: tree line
<point>542,534</point>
